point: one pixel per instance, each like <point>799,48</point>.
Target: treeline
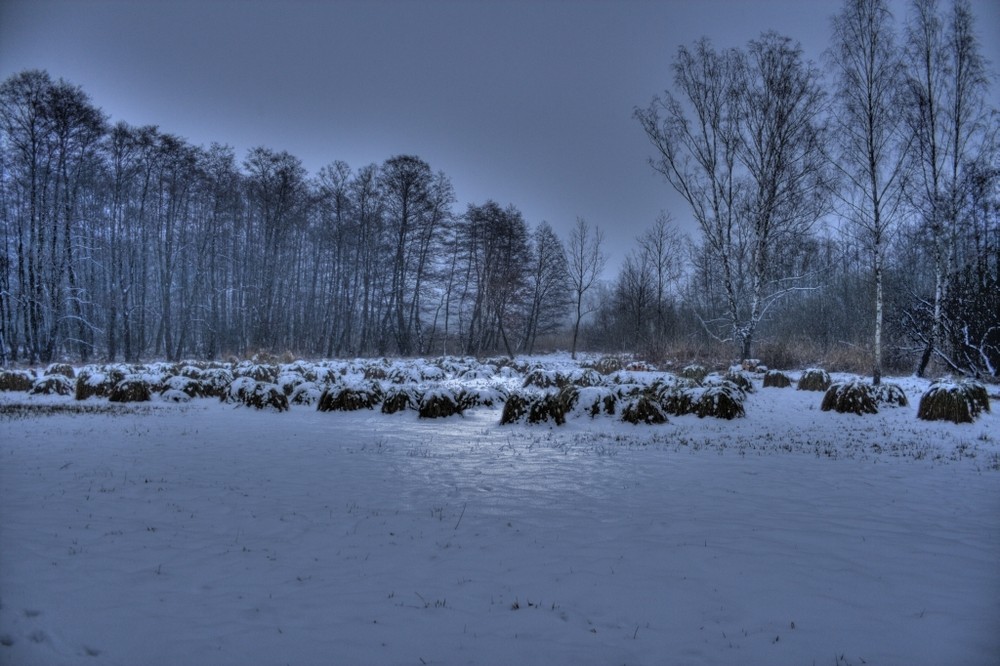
<point>124,242</point>
<point>853,211</point>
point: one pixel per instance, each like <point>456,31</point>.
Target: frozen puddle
<point>207,534</point>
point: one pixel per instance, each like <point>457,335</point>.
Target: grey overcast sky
<point>528,103</point>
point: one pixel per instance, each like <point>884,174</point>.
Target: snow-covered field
<point>207,533</point>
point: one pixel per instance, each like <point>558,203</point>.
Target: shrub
<point>289,380</point>
<point>266,396</point>
<point>890,395</point>
<point>741,380</point>
<point>608,364</point>
<point>349,398</point>
<point>173,395</point>
<point>130,389</point>
<point>677,400</point>
<point>400,398</point>
<point>950,401</point>
<point>514,409</point>
<point>306,393</point>
<point>643,409</point>
<point>694,371</point>
<point>591,400</point>
<point>945,402</point>
<point>542,408</point>
<point>52,385</point>
<point>91,382</point>
<point>853,397</point>
<point>721,401</point>
<point>543,378</point>
<point>439,403</point>
<point>215,381</point>
<point>584,377</point>
<point>776,379</point>
<point>814,379</point>
<point>16,380</point>
<point>193,388</point>
<point>63,369</point>
<point>238,389</point>
<point>485,396</point>
<point>976,392</point>
<point>374,372</point>
<point>257,371</point>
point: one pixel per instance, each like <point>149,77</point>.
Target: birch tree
<point>872,138</point>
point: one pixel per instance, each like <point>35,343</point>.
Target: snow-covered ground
<point>205,533</point>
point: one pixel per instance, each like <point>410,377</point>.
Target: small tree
<point>584,264</point>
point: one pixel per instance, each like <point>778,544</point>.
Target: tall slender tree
<point>873,145</point>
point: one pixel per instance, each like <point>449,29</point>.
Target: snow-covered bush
<point>63,369</point>
<point>677,399</point>
<point>590,401</point>
<point>694,371</point>
<point>545,407</point>
<point>376,370</point>
<point>643,409</point>
<point>52,385</point>
<point>947,400</point>
<point>854,397</point>
<point>350,397</point>
<point>173,395</point>
<point>515,408</point>
<point>776,379</point>
<point>544,378</point>
<point>406,374</point>
<point>723,401</point>
<point>215,381</point>
<point>306,393</point>
<point>740,379</point>
<point>431,373</point>
<point>439,402</point>
<point>288,380</point>
<point>131,389</point>
<point>976,391</point>
<point>256,371</point>
<point>890,395</point>
<point>482,396</point>
<point>16,380</point>
<point>190,370</point>
<point>238,389</point>
<point>814,379</point>
<point>400,398</point>
<point>266,396</point>
<point>584,377</point>
<point>193,388</point>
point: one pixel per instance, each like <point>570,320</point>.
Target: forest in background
<point>849,215</point>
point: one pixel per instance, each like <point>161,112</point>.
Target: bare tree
<point>548,287</point>
<point>661,248</point>
<point>584,262</point>
<point>873,145</point>
<point>743,146</point>
<point>947,115</point>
